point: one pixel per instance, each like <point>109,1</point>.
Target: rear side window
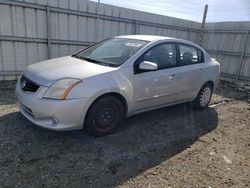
<point>189,55</point>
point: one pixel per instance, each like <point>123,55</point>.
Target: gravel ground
<point>170,147</point>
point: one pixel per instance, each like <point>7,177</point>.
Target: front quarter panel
<point>112,82</point>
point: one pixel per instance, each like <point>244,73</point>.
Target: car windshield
<point>111,52</point>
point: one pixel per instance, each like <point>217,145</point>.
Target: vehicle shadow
<point>38,157</point>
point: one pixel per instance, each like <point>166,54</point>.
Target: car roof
<point>145,37</point>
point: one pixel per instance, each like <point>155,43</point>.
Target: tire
<point>104,116</point>
<point>204,96</point>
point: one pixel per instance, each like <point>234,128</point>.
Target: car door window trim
<point>189,45</point>
<point>177,58</point>
<point>139,59</point>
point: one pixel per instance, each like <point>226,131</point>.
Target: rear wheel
<point>204,96</point>
<point>104,116</point>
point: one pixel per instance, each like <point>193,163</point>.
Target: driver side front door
<point>156,88</point>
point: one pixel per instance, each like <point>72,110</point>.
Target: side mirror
<point>147,65</point>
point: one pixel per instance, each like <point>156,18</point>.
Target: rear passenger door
<point>190,72</point>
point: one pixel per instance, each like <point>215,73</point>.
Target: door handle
<point>201,70</point>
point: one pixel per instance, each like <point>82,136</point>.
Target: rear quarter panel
<point>213,72</point>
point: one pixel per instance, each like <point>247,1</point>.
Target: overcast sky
<point>218,10</point>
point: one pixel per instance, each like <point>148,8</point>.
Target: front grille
<point>28,85</point>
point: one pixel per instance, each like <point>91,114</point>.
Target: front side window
<point>164,55</point>
<point>189,55</point>
<point>111,52</point>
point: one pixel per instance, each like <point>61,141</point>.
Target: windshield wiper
<point>90,59</point>
<point>94,61</point>
<point>76,56</point>
<point>84,58</point>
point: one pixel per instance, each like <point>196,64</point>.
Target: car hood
<point>47,72</point>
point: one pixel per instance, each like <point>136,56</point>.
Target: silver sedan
<point>117,77</point>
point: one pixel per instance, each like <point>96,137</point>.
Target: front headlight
<point>61,89</point>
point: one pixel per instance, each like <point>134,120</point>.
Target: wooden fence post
<point>203,25</point>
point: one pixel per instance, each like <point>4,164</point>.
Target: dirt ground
<point>169,147</point>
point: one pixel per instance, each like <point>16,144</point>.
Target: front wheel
<point>204,96</point>
<point>104,116</point>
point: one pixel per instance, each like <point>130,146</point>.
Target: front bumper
<point>51,114</point>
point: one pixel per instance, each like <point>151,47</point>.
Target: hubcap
<point>205,96</point>
<point>105,116</point>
